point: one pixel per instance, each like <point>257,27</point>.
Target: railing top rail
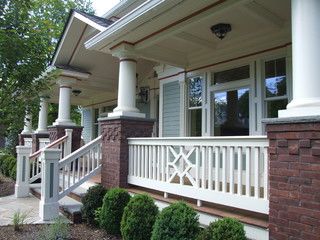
<point>51,145</point>
<point>203,141</point>
<point>79,152</point>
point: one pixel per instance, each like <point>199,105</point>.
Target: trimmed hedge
<point>176,222</point>
<point>113,205</point>
<point>138,218</point>
<point>226,228</point>
<point>8,164</point>
<point>91,202</point>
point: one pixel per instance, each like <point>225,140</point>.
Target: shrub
<point>91,202</point>
<point>113,205</point>
<point>176,222</point>
<point>58,230</point>
<point>138,218</point>
<point>227,228</point>
<point>8,164</point>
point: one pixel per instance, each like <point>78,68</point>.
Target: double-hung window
<point>195,105</point>
<point>275,87</point>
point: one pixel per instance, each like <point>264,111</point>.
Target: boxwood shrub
<point>91,202</point>
<point>226,228</point>
<point>113,205</point>
<point>8,164</point>
<point>176,222</point>
<point>138,218</point>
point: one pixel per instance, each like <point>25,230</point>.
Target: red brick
<point>305,143</point>
<point>282,143</point>
<point>316,151</point>
<point>310,221</point>
<point>310,236</point>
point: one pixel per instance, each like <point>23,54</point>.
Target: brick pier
<point>294,178</point>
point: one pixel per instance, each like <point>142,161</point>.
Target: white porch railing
<point>61,177</point>
<point>64,143</point>
<point>231,171</point>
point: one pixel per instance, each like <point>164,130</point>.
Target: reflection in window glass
<point>274,106</point>
<point>195,122</point>
<point>195,91</point>
<point>231,75</point>
<point>275,78</point>
<point>231,113</point>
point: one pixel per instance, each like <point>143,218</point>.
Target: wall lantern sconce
<point>221,29</point>
<point>76,92</point>
<point>144,94</point>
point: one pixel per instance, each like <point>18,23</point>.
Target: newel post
<point>49,206</point>
<point>23,171</point>
<point>68,144</point>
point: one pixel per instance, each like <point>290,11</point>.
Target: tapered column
<point>27,129</point>
<point>126,85</point>
<point>43,116</point>
<point>65,102</point>
<point>305,59</point>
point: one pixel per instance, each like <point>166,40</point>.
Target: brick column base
<point>35,140</point>
<point>294,178</point>
<point>115,150</point>
<point>56,132</point>
<point>22,136</point>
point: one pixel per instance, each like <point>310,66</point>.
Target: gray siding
<point>171,109</point>
<point>87,125</point>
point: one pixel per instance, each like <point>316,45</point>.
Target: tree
<point>29,32</point>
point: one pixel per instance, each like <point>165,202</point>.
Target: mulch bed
<point>77,232</point>
<point>6,186</point>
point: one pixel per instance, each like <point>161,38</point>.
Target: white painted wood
<point>23,171</point>
<point>189,165</point>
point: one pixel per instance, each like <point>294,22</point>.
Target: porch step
<point>208,212</point>
<point>70,205</point>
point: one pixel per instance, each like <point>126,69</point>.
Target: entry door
<point>230,112</point>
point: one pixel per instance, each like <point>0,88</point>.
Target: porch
<point>198,90</point>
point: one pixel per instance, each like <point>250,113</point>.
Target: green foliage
<point>97,214</point>
<point>29,32</point>
<point>19,219</point>
<point>176,222</point>
<point>138,218</point>
<point>8,164</point>
<point>227,228</point>
<point>91,202</point>
<point>114,203</point>
<point>58,230</point>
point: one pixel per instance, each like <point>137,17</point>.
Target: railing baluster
<point>162,163</point>
<point>139,161</point>
<point>239,190</point>
<point>150,161</point>
<point>197,167</point>
<point>167,164</point>
<point>142,162</point>
<point>146,162</point>
<point>224,169</point>
<point>69,165</point>
<point>265,173</point>
<point>217,169</point>
<point>256,172</point>
<point>231,184</point>
<point>135,164</point>
<point>63,177</point>
<point>154,161</point>
<point>210,187</point>
<point>158,162</point>
<point>248,172</point>
<point>203,167</point>
<point>78,168</point>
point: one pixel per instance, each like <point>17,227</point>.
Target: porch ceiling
<point>179,34</point>
<point>102,84</point>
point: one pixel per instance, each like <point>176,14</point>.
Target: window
<point>275,87</point>
<point>195,105</point>
<point>230,75</point>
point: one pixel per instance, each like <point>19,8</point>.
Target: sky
<point>102,6</point>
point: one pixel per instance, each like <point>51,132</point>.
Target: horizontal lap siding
<point>171,109</point>
<point>87,125</point>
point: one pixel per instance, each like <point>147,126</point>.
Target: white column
<point>305,59</point>
<point>49,205</point>
<point>23,171</point>
<point>127,87</point>
<point>64,103</point>
<point>27,123</point>
<point>183,105</point>
<point>43,116</point>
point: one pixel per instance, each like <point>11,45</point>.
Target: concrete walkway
<point>9,205</point>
